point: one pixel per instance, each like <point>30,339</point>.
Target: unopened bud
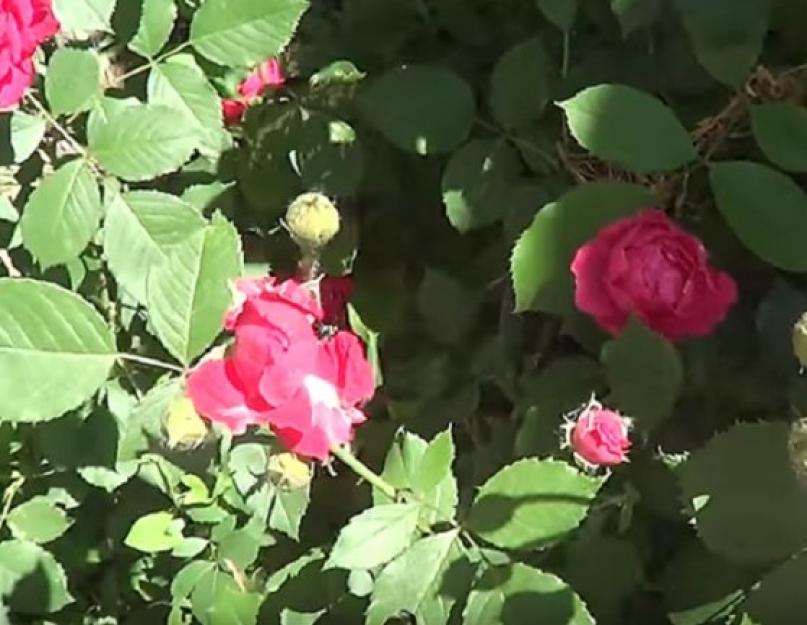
<point>312,220</point>
<point>800,340</point>
<point>184,427</point>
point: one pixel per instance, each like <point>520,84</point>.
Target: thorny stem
<point>151,362</point>
<point>362,470</point>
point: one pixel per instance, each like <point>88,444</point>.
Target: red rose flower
<point>599,437</point>
<point>279,373</point>
<point>335,292</point>
<point>647,266</point>
<point>24,24</point>
<point>232,111</point>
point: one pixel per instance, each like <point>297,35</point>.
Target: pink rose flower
<point>24,25</point>
<point>281,374</point>
<point>647,266</point>
<point>599,437</point>
<point>267,75</point>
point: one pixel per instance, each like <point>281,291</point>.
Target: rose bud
<point>312,220</point>
<point>599,436</point>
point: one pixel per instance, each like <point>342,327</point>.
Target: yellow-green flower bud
<point>312,220</point>
<point>800,340</point>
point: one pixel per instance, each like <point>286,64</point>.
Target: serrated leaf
<point>188,576</point>
<point>375,536</point>
<point>73,81</point>
<point>727,36</point>
<point>189,293</point>
<point>628,127</point>
<point>635,14</point>
<point>240,547</point>
<point>140,230</point>
<point>644,373</point>
<point>435,466</point>
<point>180,84</point>
<point>79,18</point>
<point>476,182</point>
<point>143,142</point>
<point>560,12</point>
<point>37,520</point>
<point>531,504</point>
<point>55,350</point>
<point>156,23</point>
<point>519,86</point>
<point>765,209</point>
<point>218,600</point>
<point>245,32</point>
<point>27,132</point>
<point>420,108</point>
<point>722,485</point>
<point>521,595</point>
<point>155,532</point>
<point>543,254</point>
<point>780,129</point>
<point>31,580</point>
<point>337,73</point>
<point>416,582</point>
<point>62,214</point>
<point>779,599</point>
<point>288,509</point>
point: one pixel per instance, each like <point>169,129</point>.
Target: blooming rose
<point>645,265</point>
<point>24,24</point>
<point>599,437</point>
<point>280,373</point>
<point>267,75</point>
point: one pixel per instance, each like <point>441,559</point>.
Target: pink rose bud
<point>648,267</point>
<point>599,436</point>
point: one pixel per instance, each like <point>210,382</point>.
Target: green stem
<point>567,41</point>
<point>82,151</point>
<point>151,362</point>
<point>362,470</point>
<point>152,62</point>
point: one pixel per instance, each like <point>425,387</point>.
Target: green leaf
<point>55,350</point>
<point>31,580</point>
<point>62,214</point>
<point>180,84</point>
<point>727,36</point>
<point>245,32</point>
<point>371,340</point>
<point>544,252</point>
<point>328,156</point>
<point>435,466</point>
<point>158,531</point>
<point>188,576</point>
<point>141,230</point>
<point>635,14</point>
<point>779,599</point>
<point>628,127</point>
<point>73,81</point>
<point>780,129</point>
<point>519,86</point>
<point>27,132</point>
<point>420,108</point>
<point>699,586</point>
<point>38,520</point>
<point>375,536</point>
<point>189,293</point>
<point>531,504</point>
<point>521,595</point>
<point>644,373</point>
<point>745,473</point>
<point>218,600</point>
<point>189,547</point>
<point>143,142</point>
<point>156,24</point>
<point>240,546</point>
<point>288,509</point>
<point>418,582</point>
<point>560,12</point>
<point>79,18</point>
<point>476,182</point>
<point>766,210</point>
<point>404,469</point>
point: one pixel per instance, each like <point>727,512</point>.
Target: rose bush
<point>300,302</point>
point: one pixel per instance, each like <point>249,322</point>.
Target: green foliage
<point>128,207</point>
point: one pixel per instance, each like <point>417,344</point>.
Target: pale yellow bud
<point>312,220</point>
